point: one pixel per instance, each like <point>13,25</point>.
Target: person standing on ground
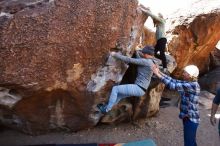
<point>144,61</point>
<point>215,104</point>
<point>189,90</point>
<point>159,23</point>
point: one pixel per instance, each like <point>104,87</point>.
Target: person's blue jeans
<point>122,91</point>
<point>189,130</point>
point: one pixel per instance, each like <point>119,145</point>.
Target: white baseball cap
<point>192,70</point>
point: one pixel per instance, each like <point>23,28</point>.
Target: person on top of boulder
<point>159,23</point>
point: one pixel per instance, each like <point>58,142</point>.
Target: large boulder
<point>211,80</point>
<point>53,59</point>
<point>194,38</point>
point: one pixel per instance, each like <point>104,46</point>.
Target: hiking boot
<point>102,108</point>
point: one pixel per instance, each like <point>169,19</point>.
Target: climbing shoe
<point>102,108</point>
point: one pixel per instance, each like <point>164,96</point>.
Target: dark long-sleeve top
<point>144,71</point>
<point>216,100</point>
<point>189,92</point>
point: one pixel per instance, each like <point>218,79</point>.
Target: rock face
<point>211,80</point>
<point>214,59</point>
<point>148,37</point>
<point>53,59</point>
<point>194,42</point>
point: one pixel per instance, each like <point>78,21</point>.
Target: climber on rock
<point>159,23</point>
<point>144,60</point>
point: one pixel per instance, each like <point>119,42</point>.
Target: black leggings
<point>160,46</point>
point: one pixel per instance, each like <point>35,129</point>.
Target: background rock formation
<point>192,34</point>
<point>192,42</point>
<point>214,59</point>
<point>211,80</point>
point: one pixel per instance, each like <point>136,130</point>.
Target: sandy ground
<point>165,129</point>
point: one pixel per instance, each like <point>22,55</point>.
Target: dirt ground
<point>165,129</point>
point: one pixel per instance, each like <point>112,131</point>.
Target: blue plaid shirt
<point>189,92</point>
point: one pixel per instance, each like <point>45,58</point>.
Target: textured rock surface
<point>214,59</point>
<point>53,59</point>
<point>148,37</point>
<point>211,80</point>
<point>192,42</point>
